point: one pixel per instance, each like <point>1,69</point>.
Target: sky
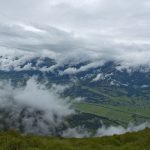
<point>89,29</point>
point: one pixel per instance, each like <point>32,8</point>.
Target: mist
<point>81,132</point>
<point>40,109</point>
<point>34,108</point>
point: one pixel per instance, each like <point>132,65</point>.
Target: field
<point>13,140</point>
<point>122,115</point>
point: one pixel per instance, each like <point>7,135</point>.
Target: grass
<point>122,115</point>
<point>120,96</point>
<point>13,140</point>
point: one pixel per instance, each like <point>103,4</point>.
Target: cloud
<point>80,132</point>
<point>83,68</point>
<point>108,131</point>
<point>33,108</point>
<point>67,29</point>
<point>36,38</point>
<point>99,76</point>
<point>77,132</point>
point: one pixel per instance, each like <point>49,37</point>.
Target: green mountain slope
<point>130,141</point>
<point>123,115</point>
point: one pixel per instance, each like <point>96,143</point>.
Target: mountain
<point>108,79</point>
<point>104,91</point>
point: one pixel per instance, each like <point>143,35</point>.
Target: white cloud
<point>80,132</point>
<point>112,130</point>
<point>82,68</point>
<point>95,29</point>
<point>100,76</point>
<point>39,109</point>
<point>77,132</point>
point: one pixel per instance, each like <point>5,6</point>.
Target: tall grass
<point>13,140</point>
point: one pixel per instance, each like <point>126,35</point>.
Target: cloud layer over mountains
<point>89,30</point>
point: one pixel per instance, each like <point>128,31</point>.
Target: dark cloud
<point>36,38</point>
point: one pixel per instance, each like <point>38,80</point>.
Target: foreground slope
<point>131,141</point>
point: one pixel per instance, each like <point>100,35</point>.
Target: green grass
<point>116,105</point>
<point>131,141</point>
<point>123,115</point>
<point>119,96</point>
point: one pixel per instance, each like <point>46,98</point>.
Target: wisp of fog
<point>33,107</point>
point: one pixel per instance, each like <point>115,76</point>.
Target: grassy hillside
<point>130,141</point>
<point>121,114</point>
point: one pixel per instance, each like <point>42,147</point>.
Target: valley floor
<point>121,115</point>
<point>131,141</point>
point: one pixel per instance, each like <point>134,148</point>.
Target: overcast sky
<point>101,29</point>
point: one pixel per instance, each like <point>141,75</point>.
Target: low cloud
<point>112,130</point>
<point>33,107</point>
<point>83,68</point>
<point>26,41</point>
<point>78,132</point>
<point>81,132</point>
<point>99,76</point>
